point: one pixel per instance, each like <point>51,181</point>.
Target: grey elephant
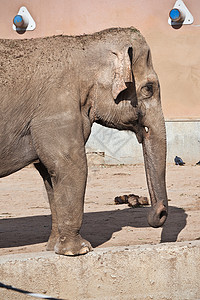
<point>52,90</point>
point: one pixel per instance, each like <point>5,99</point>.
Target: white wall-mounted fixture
<point>180,15</point>
<point>23,20</point>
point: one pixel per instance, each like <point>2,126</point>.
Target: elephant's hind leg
<point>49,188</point>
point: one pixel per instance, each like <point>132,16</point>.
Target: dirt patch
<point>25,216</point>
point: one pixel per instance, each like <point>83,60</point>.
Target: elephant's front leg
<point>69,188</point>
<point>62,152</point>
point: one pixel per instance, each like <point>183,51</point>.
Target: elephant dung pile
<point>132,200</point>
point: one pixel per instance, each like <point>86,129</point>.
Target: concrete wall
<point>175,51</point>
<point>120,147</point>
<point>165,271</point>
<point>183,139</point>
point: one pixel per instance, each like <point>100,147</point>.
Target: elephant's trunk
<point>154,150</point>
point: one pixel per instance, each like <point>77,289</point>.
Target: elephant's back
<point>20,60</point>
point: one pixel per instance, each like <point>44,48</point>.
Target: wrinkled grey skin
<point>52,90</point>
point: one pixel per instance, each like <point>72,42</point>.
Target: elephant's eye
<point>147,90</point>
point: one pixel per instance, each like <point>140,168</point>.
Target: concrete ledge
<point>164,271</point>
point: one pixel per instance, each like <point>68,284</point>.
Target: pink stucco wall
<point>176,52</point>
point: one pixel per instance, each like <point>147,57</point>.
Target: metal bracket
<point>27,22</point>
<point>185,15</point>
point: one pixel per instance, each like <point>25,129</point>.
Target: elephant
<point>52,90</point>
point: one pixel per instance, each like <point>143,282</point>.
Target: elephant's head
<point>126,96</point>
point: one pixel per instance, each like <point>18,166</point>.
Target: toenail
<point>69,253</point>
<point>84,250</point>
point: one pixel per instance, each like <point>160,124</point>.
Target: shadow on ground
<point>98,227</point>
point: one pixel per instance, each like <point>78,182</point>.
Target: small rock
<point>121,199</point>
<point>132,200</point>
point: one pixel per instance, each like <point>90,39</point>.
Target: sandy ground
<point>25,216</point>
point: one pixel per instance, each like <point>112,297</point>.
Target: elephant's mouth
<point>141,132</point>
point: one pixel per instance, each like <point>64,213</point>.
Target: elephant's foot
<point>75,246</point>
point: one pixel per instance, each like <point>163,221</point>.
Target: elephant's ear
<point>123,72</point>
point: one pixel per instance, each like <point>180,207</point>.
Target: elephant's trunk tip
<point>157,215</point>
